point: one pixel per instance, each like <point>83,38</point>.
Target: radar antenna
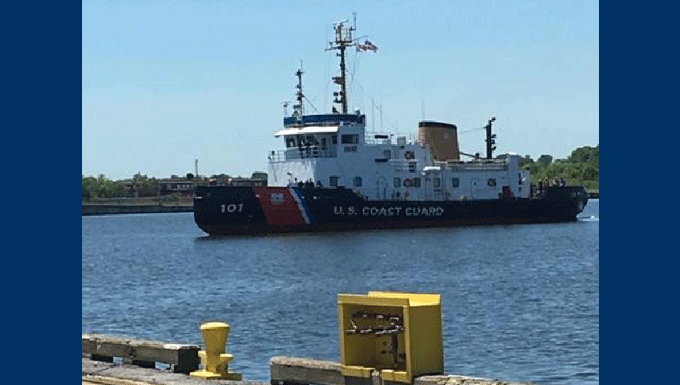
<point>298,109</point>
<point>343,39</point>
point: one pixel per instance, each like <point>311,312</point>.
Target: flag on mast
<point>367,46</point>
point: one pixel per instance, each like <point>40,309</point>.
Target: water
<point>519,302</point>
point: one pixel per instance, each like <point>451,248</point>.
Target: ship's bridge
<point>316,136</point>
<point>323,119</point>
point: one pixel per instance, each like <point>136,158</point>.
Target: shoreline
<point>138,205</point>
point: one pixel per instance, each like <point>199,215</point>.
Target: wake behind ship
<point>331,175</point>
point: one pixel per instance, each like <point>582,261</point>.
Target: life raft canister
<point>407,183</point>
<point>408,155</point>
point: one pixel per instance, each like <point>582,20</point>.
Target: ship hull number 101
<point>232,208</point>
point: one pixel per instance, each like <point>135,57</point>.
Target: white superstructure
<point>334,151</point>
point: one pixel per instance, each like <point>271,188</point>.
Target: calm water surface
<point>519,302</point>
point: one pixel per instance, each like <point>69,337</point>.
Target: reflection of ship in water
<point>332,175</point>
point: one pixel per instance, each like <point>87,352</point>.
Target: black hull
<point>222,210</point>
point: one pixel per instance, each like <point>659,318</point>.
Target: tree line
<point>142,185</point>
<point>581,167</point>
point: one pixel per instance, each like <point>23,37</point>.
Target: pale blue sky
<point>168,82</point>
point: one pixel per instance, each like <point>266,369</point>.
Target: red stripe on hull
<point>279,206</point>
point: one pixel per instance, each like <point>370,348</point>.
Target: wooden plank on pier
<point>183,358</point>
<point>302,371</point>
<point>296,371</point>
<point>460,380</point>
<point>104,373</point>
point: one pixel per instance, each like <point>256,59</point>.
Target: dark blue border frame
<point>42,59</point>
<point>638,276</point>
<point>638,99</point>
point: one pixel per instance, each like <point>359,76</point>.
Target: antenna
<point>344,39</point>
<point>490,139</point>
<point>372,114</point>
<point>285,104</point>
<point>298,109</point>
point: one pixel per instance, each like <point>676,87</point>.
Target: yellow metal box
<point>397,334</point>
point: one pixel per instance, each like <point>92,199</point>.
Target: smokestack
<point>442,139</point>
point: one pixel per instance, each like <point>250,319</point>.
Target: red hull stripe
<point>279,206</point>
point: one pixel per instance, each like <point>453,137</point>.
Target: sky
<point>166,83</point>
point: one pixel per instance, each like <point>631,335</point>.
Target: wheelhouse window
<point>333,181</point>
<point>349,139</point>
<point>357,181</point>
<point>436,182</point>
<point>290,141</point>
<point>455,182</point>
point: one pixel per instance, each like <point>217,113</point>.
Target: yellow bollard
<point>214,358</point>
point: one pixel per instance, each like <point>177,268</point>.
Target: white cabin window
<point>416,182</point>
<point>333,181</point>
<point>397,182</point>
<point>334,139</point>
<point>455,182</point>
<point>357,181</point>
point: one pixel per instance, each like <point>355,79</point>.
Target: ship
<point>333,175</point>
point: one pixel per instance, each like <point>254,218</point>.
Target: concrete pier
<point>109,360</point>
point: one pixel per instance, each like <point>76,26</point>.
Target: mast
<point>490,139</point>
<point>343,39</point>
<point>298,109</point>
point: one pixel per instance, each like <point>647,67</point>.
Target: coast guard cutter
<point>332,175</point>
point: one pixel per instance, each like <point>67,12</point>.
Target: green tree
<point>586,154</point>
<point>259,175</point>
<point>143,186</point>
<point>545,160</point>
<point>101,187</point>
<point>525,162</point>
